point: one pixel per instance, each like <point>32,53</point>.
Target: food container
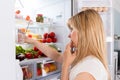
<point>39,18</point>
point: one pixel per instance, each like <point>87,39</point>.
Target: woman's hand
<point>68,56</point>
<point>22,38</point>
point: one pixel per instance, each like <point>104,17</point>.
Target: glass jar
<point>39,18</point>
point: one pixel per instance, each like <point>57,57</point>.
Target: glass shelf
<point>37,60</point>
<point>24,23</point>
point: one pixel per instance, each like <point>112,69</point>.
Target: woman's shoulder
<point>91,65</point>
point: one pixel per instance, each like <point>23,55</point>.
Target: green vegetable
<point>30,51</point>
<point>19,49</point>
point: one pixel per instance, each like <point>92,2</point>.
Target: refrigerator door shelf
<point>95,3</point>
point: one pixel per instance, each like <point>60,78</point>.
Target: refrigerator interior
<point>55,14</point>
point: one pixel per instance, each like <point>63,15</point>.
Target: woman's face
<point>73,36</point>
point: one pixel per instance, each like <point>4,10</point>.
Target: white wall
<point>7,54</point>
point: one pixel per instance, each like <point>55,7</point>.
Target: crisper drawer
<point>40,69</point>
<point>45,70</point>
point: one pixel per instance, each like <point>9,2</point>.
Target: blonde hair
<point>91,38</point>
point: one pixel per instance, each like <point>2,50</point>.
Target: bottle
<point>39,18</point>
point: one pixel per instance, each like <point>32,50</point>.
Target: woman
<point>88,61</point>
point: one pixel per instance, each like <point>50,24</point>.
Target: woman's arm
<point>48,51</point>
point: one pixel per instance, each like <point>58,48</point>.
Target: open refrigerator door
<point>105,9</point>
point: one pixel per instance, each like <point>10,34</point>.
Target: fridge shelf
<point>95,3</point>
<point>24,23</point>
<point>100,10</point>
<point>38,60</point>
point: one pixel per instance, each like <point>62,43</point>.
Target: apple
<point>54,40</point>
<point>52,34</point>
<point>45,35</point>
<point>48,40</point>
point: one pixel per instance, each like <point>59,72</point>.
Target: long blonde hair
<point>91,37</point>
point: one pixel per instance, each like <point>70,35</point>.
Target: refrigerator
<point>55,14</point>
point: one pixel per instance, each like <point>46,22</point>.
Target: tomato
<point>17,12</point>
<point>29,55</point>
<point>27,18</point>
<point>35,48</point>
<point>39,52</point>
<point>29,35</point>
